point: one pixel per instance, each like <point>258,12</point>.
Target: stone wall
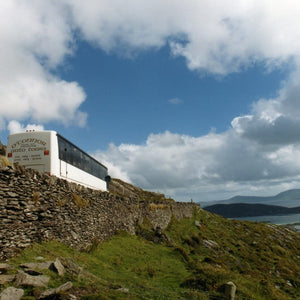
<point>36,207</point>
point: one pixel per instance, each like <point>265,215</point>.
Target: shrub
<point>153,206</point>
<point>93,247</point>
<point>4,162</point>
<point>60,203</point>
<point>79,202</point>
<point>183,253</point>
<point>36,197</point>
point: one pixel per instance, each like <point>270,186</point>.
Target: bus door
<point>63,155</point>
<point>63,169</point>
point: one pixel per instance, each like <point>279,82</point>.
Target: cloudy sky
<point>197,99</point>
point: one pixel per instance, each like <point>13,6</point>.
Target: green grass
<point>148,270</point>
<point>259,259</point>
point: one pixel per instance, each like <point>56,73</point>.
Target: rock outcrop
<point>23,279</point>
<point>11,293</point>
<point>62,288</point>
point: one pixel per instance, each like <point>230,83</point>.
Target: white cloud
<point>166,160</point>
<point>183,166</point>
<point>35,38</point>
<point>15,127</point>
<point>217,37</point>
<point>175,101</point>
<point>274,121</point>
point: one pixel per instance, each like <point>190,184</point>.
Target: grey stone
<point>39,258</point>
<point>230,289</point>
<point>4,268</point>
<point>70,266</point>
<point>59,267</point>
<point>210,244</point>
<point>6,278</point>
<point>123,290</point>
<point>11,293</point>
<point>37,266</point>
<point>64,287</point>
<point>32,272</point>
<point>197,224</point>
<point>12,195</point>
<point>289,283</point>
<point>74,235</point>
<point>23,279</point>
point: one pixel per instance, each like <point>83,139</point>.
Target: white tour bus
<point>47,151</point>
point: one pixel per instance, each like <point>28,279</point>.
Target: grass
<point>124,189</point>
<point>78,201</point>
<point>140,265</point>
<point>4,161</point>
<point>36,197</point>
<point>148,270</point>
<point>153,206</point>
<point>260,259</point>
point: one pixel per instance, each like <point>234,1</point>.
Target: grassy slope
<point>260,259</point>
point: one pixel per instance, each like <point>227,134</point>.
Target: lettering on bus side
<point>18,150</point>
<point>30,149</point>
<point>22,149</point>
<point>28,142</point>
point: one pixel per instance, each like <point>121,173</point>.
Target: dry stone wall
<point>36,207</point>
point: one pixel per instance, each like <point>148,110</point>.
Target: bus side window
<point>74,156</point>
<point>62,150</point>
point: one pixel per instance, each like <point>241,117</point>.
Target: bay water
<point>292,220</point>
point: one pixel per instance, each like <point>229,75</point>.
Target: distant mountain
<point>250,210</point>
<point>290,198</point>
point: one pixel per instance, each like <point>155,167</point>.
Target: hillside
<point>236,210</point>
<point>290,198</point>
<point>193,258</point>
<point>134,244</point>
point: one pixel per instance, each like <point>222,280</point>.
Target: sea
<point>292,220</point>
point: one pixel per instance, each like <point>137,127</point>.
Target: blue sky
<point>197,100</point>
<point>130,98</point>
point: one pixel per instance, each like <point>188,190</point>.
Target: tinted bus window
<point>76,157</point>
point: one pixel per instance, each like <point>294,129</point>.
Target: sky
<point>196,99</point>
